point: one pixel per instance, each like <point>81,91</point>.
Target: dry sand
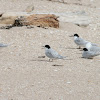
<point>24,76</point>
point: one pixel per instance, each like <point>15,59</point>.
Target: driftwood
<point>40,20</point>
<point>25,19</point>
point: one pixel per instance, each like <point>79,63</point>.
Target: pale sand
<point>24,76</point>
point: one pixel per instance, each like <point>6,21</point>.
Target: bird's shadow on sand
<point>81,49</point>
<point>70,48</point>
<point>42,59</point>
<point>46,60</point>
<point>86,58</point>
<point>57,65</point>
<point>76,49</point>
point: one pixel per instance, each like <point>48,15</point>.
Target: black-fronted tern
<point>91,47</point>
<point>89,54</point>
<point>80,42</point>
<point>52,54</point>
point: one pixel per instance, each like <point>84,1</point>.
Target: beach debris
<point>26,19</point>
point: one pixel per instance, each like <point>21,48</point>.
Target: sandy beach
<point>25,75</point>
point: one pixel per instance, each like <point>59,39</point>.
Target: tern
<point>89,54</point>
<point>52,54</point>
<point>90,47</point>
<point>80,41</point>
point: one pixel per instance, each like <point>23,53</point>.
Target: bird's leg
<point>79,47</point>
<point>51,60</point>
<point>90,58</point>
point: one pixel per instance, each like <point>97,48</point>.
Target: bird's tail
<point>65,57</point>
<point>62,57</point>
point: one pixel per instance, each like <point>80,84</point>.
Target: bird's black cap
<point>47,46</point>
<point>76,35</point>
<point>85,49</point>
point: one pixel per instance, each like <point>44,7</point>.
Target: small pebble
<point>68,82</point>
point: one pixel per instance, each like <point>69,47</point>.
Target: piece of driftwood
<point>25,19</point>
<point>40,20</point>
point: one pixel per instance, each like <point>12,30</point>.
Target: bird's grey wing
<point>55,54</point>
<point>95,48</point>
<point>93,44</point>
<point>81,41</point>
<point>95,53</point>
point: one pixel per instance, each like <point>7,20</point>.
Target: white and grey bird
<point>89,54</point>
<point>91,47</point>
<point>52,54</point>
<point>80,42</point>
